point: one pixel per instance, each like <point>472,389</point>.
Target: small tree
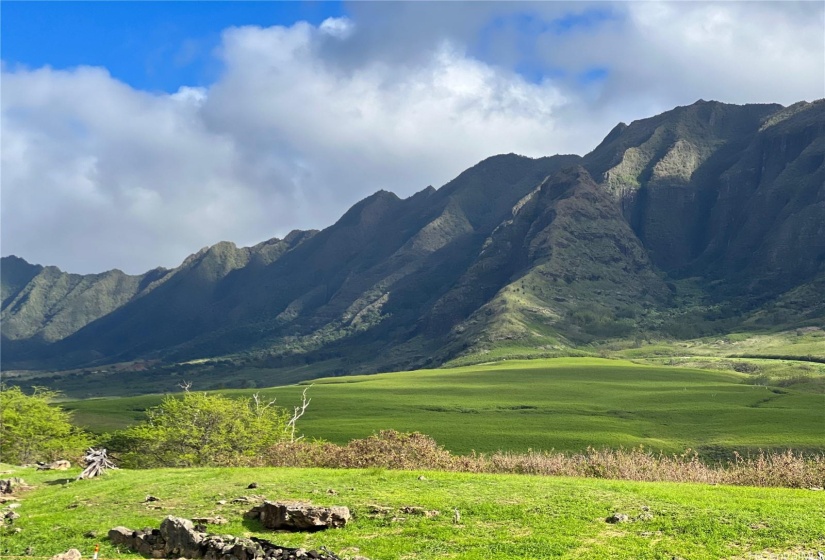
<point>198,429</point>
<point>31,429</point>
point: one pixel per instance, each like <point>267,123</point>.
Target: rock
<point>13,484</point>
<point>61,465</point>
<point>415,510</point>
<point>90,534</point>
<point>644,516</point>
<point>122,535</point>
<point>151,498</point>
<point>422,477</point>
<point>221,502</point>
<point>331,491</point>
<point>71,554</point>
<point>217,520</point>
<point>14,505</point>
<point>180,537</point>
<point>11,516</point>
<point>302,517</point>
<point>247,499</point>
<point>379,510</point>
<point>152,543</point>
<point>618,518</point>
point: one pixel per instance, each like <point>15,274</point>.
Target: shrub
<point>33,430</point>
<point>387,449</point>
<point>197,429</point>
<point>414,451</point>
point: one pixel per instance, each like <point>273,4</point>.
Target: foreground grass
<point>502,516</point>
<point>565,404</point>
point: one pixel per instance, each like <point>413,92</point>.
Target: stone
<point>71,554</point>
<point>296,516</point>
<point>379,510</point>
<point>12,485</point>
<point>216,520</point>
<point>60,465</point>
<point>152,543</point>
<point>618,518</point>
<point>11,516</point>
<point>151,498</point>
<point>415,510</point>
<point>90,534</point>
<point>252,485</point>
<point>122,535</point>
<point>253,513</point>
<point>180,537</point>
<point>243,500</point>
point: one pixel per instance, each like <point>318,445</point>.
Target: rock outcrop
<point>296,516</point>
<point>178,538</point>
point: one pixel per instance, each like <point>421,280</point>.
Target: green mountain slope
<point>703,219</point>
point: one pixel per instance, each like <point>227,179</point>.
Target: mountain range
<point>706,219</point>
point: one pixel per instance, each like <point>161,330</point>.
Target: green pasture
<point>501,516</point>
<point>563,404</point>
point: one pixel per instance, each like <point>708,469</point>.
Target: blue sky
<point>148,45</point>
<point>164,45</point>
<point>135,133</point>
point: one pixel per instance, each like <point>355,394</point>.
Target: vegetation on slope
<point>563,404</point>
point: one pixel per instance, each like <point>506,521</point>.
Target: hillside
<point>703,220</point>
<point>566,404</point>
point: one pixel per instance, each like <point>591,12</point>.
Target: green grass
<point>502,516</point>
<point>564,404</point>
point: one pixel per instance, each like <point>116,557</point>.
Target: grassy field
<point>562,404</point>
<point>502,516</point>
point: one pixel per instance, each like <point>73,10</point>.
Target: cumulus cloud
<point>305,120</point>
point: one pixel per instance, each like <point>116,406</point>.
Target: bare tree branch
<point>299,411</point>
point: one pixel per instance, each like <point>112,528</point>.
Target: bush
<point>33,430</point>
<point>198,429</point>
<point>387,449</point>
<point>414,451</point>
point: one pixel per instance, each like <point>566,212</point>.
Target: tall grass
<point>393,450</point>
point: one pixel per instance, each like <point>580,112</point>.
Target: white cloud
<point>340,28</point>
<point>306,120</point>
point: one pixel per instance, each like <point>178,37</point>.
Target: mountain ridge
<point>718,204</point>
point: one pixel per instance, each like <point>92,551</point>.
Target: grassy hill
<point>502,516</point>
<point>565,404</point>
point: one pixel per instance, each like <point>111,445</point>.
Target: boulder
<point>296,516</point>
<point>122,536</point>
<point>180,537</point>
<point>618,518</point>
